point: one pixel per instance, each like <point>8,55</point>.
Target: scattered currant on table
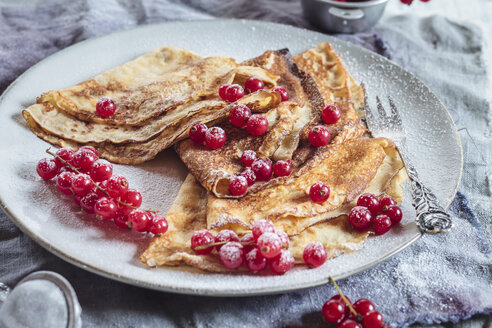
<point>97,191</point>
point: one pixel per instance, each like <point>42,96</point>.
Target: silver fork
<point>431,216</point>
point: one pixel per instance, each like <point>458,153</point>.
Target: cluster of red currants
<point>264,246</point>
<point>97,191</point>
<point>320,135</point>
<point>382,212</point>
<point>361,314</point>
<point>234,92</point>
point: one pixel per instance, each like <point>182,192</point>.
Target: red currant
<point>269,244</point>
<point>319,192</point>
<point>248,157</point>
<point>250,176</point>
<point>215,138</point>
<point>262,169</point>
<point>121,221</point>
<point>333,311</point>
<point>370,201</point>
<point>406,2</point>
<point>363,306</point>
<point>222,91</point>
<point>315,254</point>
<point>238,185</point>
<point>319,136</point>
<point>101,170</point>
<point>91,149</point>
<point>66,154</point>
<point>257,125</point>
<point>239,115</point>
<point>47,168</point>
<point>282,168</point>
<point>234,92</point>
<point>349,323</point>
<point>65,169</point>
<point>282,262</point>
<point>105,107</point>
<point>373,319</point>
<point>253,84</point>
<point>231,255</point>
<point>382,224</point>
<point>77,199</point>
<point>201,238</point>
<point>339,298</point>
<point>283,93</point>
<point>64,182</point>
<point>197,133</point>
<point>105,208</point>
<point>88,201</point>
<point>331,113</point>
<point>123,210</point>
<point>225,235</point>
<point>394,213</point>
<point>140,220</point>
<point>132,197</point>
<point>103,185</point>
<point>386,201</point>
<point>255,261</point>
<point>158,226</point>
<point>260,227</point>
<point>283,238</point>
<point>84,159</point>
<point>360,218</point>
<point>117,186</point>
<point>82,184</point>
<point>248,238</point>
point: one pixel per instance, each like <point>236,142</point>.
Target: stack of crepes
<point>159,96</point>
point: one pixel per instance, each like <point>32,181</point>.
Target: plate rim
<point>208,292</point>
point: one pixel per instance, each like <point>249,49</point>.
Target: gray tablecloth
<point>440,278</point>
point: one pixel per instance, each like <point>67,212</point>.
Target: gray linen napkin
<point>440,278</point>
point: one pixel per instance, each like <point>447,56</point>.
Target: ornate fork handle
<point>431,216</point>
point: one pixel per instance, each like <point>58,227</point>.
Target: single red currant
<point>132,197</point>
<point>117,186</point>
<point>83,159</point>
<point>215,138</point>
<point>360,218</point>
<point>255,261</point>
<point>339,298</point>
<point>225,235</point>
<point>238,185</point>
<point>234,92</point>
<point>406,2</point>
<point>269,244</point>
<point>283,238</point>
<point>282,168</point>
<point>319,136</point>
<point>257,125</point>
<point>319,192</point>
<point>382,224</point>
<point>231,255</point>
<point>66,154</point>
<point>349,323</point>
<point>197,133</point>
<point>158,226</point>
<point>82,184</point>
<point>139,220</point>
<point>101,170</point>
<point>386,201</point>
<point>201,238</point>
<point>283,93</point>
<point>47,168</point>
<point>315,254</point>
<point>394,213</point>
<point>333,311</point>
<point>373,319</point>
<point>248,157</point>
<point>253,84</point>
<point>103,185</point>
<point>123,210</point>
<point>363,306</point>
<point>262,168</point>
<point>64,182</point>
<point>282,262</point>
<point>105,107</point>
<point>222,91</point>
<point>105,208</point>
<point>331,113</point>
<point>239,115</point>
<point>121,221</point>
<point>88,201</point>
<point>91,149</point>
<point>260,227</point>
<point>248,238</point>
<point>370,201</point>
<point>250,176</point>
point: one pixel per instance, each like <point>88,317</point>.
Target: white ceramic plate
<point>55,222</point>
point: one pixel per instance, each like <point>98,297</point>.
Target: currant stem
<point>223,243</point>
<point>343,297</point>
<point>73,168</point>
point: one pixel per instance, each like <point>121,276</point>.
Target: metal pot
<point>343,17</point>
